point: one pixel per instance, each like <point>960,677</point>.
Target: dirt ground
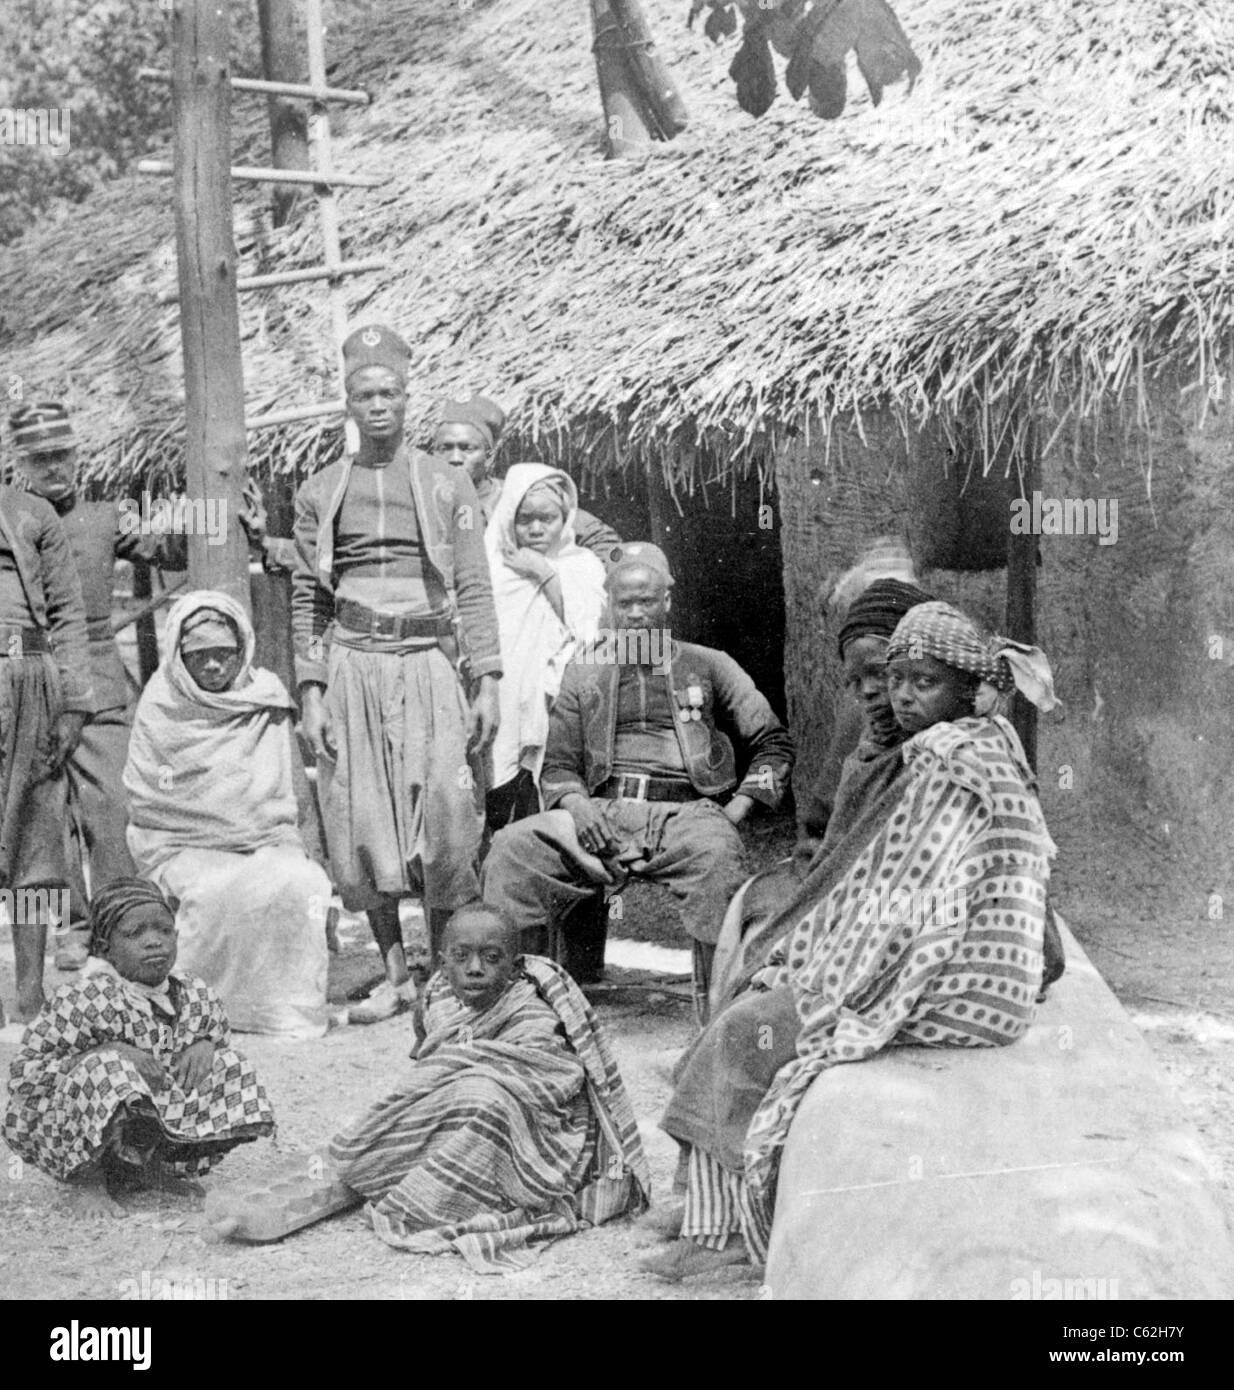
<point>1175,978</point>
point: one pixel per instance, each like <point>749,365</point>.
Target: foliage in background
<point>816,37</point>
<point>83,55</point>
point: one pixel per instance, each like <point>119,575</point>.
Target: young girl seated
<point>127,1076</point>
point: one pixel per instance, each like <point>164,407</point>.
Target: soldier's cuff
<point>309,670</point>
<point>555,792</point>
<point>765,784</point>
<point>490,666</point>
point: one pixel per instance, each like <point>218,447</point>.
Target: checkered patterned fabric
<point>62,1104</point>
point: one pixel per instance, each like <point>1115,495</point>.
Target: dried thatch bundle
<point>1045,221</point>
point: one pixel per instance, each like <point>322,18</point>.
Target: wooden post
<point>280,62</point>
<point>1022,554</point>
<point>147,635</point>
<point>624,122</point>
<point>215,453</point>
<point>662,106</point>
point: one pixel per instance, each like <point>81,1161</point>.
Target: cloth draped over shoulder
<point>536,645</point>
<point>62,1103</point>
<point>769,905</point>
<point>209,771</point>
<point>932,937</point>
<point>213,822</point>
<point>514,1125</point>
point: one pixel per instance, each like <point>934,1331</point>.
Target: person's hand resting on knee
<point>591,824</point>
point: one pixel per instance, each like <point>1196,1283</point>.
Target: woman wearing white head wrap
<point>549,595</point>
<point>213,821</point>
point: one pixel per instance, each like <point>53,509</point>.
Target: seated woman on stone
<point>933,936</point>
<point>549,595</point>
<point>512,1124</point>
<point>213,822</point>
<point>127,1077</point>
<point>763,908</point>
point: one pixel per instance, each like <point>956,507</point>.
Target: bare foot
<point>29,1001</point>
<point>665,1221</point>
<point>90,1199</point>
<point>684,1259</point>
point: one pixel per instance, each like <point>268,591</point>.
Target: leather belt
<point>24,641</point>
<point>394,626</point>
<point>636,787</point>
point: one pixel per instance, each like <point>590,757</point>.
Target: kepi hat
<point>42,427</point>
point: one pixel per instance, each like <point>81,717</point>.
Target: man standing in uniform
<point>45,698</point>
<point>99,534</point>
<point>394,627</point>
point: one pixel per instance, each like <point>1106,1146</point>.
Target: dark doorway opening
<point>727,562</point>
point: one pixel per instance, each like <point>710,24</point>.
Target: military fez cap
<point>375,346</point>
<point>642,554</point>
<point>42,427</point>
<point>478,412</point>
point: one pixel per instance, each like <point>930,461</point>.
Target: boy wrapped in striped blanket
<point>513,1124</point>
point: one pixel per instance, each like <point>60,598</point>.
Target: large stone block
<point>1059,1167</point>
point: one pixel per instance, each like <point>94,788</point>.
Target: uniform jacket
<point>582,727</point>
<point>98,538</point>
<point>452,531</point>
<point>49,578</point>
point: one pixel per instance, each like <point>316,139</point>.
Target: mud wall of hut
<point>1138,779</point>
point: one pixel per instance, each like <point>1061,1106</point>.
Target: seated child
<point>513,1123</point>
<point>127,1076</point>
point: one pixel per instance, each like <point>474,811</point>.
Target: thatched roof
<point>1046,220</point>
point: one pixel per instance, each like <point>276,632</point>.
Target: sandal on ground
<point>684,1259</point>
<point>386,1001</point>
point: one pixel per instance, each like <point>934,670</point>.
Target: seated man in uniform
<point>638,776</point>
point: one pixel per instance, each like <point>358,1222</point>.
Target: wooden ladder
<point>325,181</point>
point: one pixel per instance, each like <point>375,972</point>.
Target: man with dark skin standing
<point>98,535</point>
<point>397,662</point>
<point>45,698</point>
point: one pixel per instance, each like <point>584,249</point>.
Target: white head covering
<point>535,645</point>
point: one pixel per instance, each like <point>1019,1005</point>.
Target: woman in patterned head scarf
<point>213,821</point>
<point>127,1076</point>
<point>941,667</point>
<point>934,935</point>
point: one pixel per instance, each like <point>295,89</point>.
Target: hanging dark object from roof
<point>816,37</point>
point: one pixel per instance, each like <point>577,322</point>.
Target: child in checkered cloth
<point>127,1076</point>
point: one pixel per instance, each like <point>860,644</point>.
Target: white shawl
<point>535,645</point>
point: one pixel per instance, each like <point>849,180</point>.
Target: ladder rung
<point>244,173</point>
<point>246,284</point>
<point>298,412</point>
<point>304,91</point>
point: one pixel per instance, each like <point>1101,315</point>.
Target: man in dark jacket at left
<point>45,698</point>
<point>99,534</point>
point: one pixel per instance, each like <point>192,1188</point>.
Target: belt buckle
<point>641,779</point>
<point>383,625</point>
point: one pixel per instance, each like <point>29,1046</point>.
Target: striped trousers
<point>718,1207</point>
